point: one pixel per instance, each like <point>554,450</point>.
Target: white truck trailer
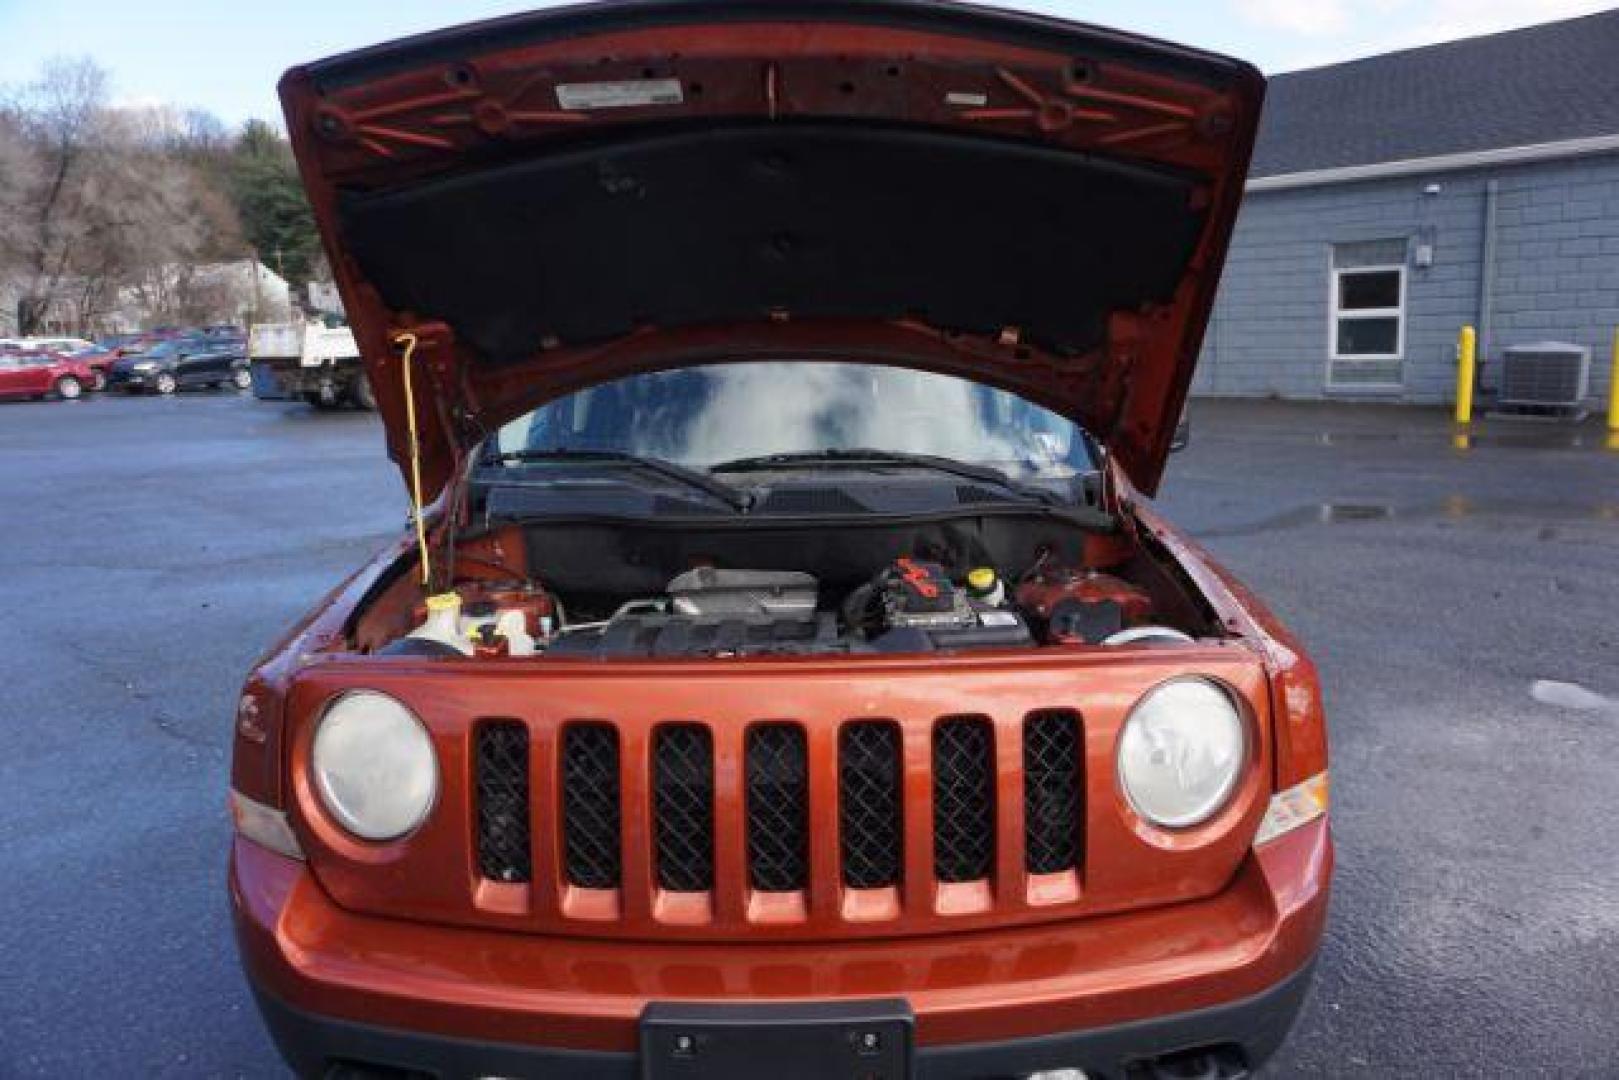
<point>308,362</point>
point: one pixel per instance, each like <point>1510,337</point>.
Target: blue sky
<point>225,55</point>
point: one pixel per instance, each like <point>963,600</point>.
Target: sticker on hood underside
<point>618,95</point>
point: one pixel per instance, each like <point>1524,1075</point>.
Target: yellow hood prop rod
<point>409,342</point>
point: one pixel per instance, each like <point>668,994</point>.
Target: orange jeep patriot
<point>783,673</point>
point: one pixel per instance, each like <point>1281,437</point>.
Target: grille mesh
<point>683,806</point>
<point>869,796</point>
<point>1052,824</point>
<point>502,801</point>
<point>963,799</point>
<point>590,805</point>
<point>778,808</point>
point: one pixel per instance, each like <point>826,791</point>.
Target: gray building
<point>1396,198</point>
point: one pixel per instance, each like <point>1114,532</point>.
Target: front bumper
<point>1253,1027</point>
<point>131,380</point>
<point>1098,994</point>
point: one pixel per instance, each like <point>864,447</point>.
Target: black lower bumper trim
<point>318,1046</point>
<point>1255,1026</point>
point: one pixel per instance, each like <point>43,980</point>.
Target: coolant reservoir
<point>443,624</point>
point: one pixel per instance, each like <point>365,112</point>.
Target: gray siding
<point>1557,274</point>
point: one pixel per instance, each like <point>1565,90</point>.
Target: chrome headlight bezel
<point>373,766</point>
<point>1218,727</point>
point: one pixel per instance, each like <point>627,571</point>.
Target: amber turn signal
<point>1298,805</point>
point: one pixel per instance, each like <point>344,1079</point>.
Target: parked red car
<point>784,673</point>
<point>99,359</point>
<point>42,374</point>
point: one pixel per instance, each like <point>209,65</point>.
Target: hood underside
<point>551,200</point>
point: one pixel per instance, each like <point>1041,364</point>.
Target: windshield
<point>706,416</point>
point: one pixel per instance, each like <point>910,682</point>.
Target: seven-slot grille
<point>775,788</point>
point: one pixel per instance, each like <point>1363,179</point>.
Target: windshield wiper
<point>840,457</point>
<point>691,478</point>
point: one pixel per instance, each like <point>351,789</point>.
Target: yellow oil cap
<point>981,579</point>
<point>447,601</point>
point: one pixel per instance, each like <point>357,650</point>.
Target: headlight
<point>374,765</point>
<point>1181,752</point>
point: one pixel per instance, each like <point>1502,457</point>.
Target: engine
<point>911,605</point>
<point>712,612</point>
<point>909,608</point>
<point>915,606</point>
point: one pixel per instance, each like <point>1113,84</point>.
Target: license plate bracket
<point>868,1040</point>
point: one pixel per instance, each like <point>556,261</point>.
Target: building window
<point>1368,315</point>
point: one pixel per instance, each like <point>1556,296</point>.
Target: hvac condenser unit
<point>1550,375</point>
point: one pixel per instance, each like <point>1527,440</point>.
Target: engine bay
<point>908,607</point>
<point>580,593</point>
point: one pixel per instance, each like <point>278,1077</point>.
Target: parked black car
<point>184,362</point>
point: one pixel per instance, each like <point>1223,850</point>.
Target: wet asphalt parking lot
<point>1462,602</point>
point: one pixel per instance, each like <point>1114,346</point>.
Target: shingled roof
<point>1536,85</point>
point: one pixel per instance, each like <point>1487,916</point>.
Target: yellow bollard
<point>1466,359</point>
<point>1613,388</point>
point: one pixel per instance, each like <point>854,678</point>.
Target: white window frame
<point>1335,315</point>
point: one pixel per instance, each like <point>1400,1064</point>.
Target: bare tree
<point>58,117</point>
<point>104,205</point>
<point>107,213</point>
<point>19,176</point>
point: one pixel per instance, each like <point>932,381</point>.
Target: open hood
<point>556,199</point>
